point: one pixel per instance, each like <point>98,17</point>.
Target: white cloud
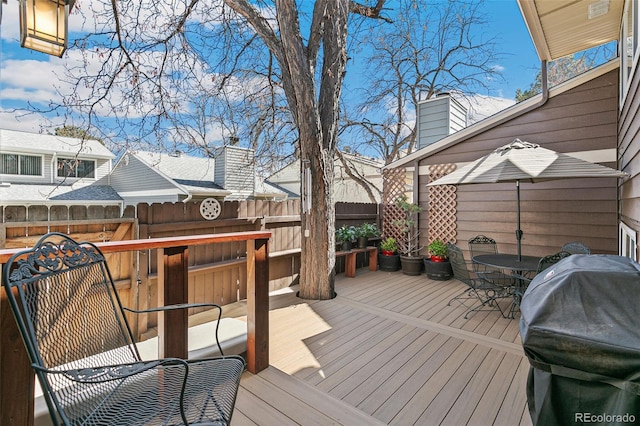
<point>10,28</point>
<point>31,74</point>
<point>30,122</point>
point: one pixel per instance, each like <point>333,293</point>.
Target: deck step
<point>305,404</point>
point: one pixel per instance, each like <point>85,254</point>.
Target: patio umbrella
<point>527,162</point>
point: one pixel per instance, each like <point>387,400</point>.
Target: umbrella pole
<point>518,230</point>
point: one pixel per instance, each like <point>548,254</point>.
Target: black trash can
<point>580,329</point>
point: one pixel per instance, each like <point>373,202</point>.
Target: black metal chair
<point>83,352</point>
<point>484,289</point>
<point>576,247</point>
<point>481,244</point>
<point>524,281</point>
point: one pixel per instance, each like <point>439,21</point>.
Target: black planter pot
<point>411,265</point>
<point>440,271</point>
<point>344,246</point>
<point>389,263</point>
<point>362,242</point>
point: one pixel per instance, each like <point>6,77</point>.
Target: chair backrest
<point>458,264</point>
<point>482,244</point>
<point>551,259</point>
<point>67,309</point>
<point>576,247</point>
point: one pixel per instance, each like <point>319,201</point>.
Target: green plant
<point>369,230</point>
<point>409,238</point>
<point>389,244</point>
<point>437,248</point>
<point>345,234</point>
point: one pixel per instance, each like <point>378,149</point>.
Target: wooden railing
<point>16,376</point>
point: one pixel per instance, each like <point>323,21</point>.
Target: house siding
<point>582,119</point>
<point>137,182</point>
<point>629,155</point>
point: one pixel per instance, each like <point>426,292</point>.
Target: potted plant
<point>409,239</point>
<point>437,265</point>
<point>438,251</point>
<point>389,259</point>
<point>345,235</point>
<point>364,232</point>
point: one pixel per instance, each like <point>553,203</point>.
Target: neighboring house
<point>346,189</point>
<point>37,169</point>
<point>148,177</point>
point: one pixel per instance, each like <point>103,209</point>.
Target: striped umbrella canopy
<point>526,162</point>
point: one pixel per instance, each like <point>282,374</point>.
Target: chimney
<point>235,170</point>
<point>438,118</point>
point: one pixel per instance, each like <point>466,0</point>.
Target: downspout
<point>54,162</point>
<point>416,176</point>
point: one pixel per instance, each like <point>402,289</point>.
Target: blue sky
<point>521,62</point>
<point>33,76</point>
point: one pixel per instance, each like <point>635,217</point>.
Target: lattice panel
<point>442,206</point>
<point>393,186</point>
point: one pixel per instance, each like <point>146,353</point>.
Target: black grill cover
<point>580,329</point>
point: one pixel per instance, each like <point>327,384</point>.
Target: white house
<point>150,177</point>
<point>346,189</point>
<point>37,169</point>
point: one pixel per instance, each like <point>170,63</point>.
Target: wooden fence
<point>216,272</point>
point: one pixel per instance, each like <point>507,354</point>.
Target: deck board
<point>386,350</point>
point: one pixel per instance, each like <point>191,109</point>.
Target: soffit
<point>562,27</point>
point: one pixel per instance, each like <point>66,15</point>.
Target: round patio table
<point>508,261</point>
<point>522,268</point>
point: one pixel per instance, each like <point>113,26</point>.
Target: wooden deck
<point>386,350</point>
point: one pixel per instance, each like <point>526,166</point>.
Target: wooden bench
<point>350,259</point>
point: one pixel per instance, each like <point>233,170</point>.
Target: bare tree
<point>563,69</point>
<point>162,72</point>
<point>431,48</point>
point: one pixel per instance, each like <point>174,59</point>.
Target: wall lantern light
<point>43,25</point>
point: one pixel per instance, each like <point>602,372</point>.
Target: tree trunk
<point>314,106</point>
<point>317,268</point>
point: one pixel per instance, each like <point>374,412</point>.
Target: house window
<point>72,167</point>
<point>21,165</point>
<point>628,242</point>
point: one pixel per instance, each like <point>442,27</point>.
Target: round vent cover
<point>210,208</point>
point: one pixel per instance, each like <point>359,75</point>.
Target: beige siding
<point>581,119</point>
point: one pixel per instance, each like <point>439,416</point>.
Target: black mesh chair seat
<point>83,352</point>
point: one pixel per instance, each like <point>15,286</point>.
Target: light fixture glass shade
<point>43,25</point>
